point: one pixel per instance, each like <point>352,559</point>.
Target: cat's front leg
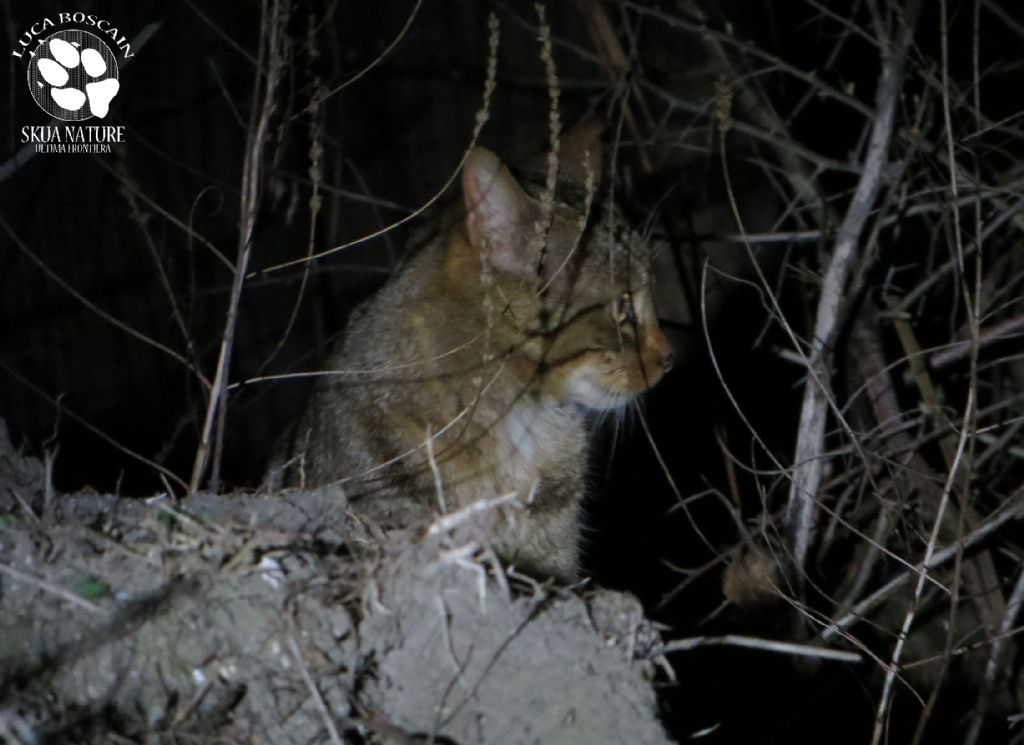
<point>544,538</point>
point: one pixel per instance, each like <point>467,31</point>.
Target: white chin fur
<point>585,392</point>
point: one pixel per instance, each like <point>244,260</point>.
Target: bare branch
<point>810,446</point>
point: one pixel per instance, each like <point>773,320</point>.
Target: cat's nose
<point>666,361</point>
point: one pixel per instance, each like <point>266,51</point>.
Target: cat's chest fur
<point>537,442</point>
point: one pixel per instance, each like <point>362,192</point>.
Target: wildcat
<point>473,372</point>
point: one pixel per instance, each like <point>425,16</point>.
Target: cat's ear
<point>579,156</point>
<point>499,214</point>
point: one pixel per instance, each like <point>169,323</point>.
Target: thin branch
<point>378,59</point>
<point>808,458</point>
<point>750,642</point>
<point>117,323</point>
<point>995,667</point>
<point>314,691</point>
<point>1010,328</point>
<point>908,619</point>
<point>1013,510</point>
<point>51,588</point>
<point>272,23</point>
<point>92,428</point>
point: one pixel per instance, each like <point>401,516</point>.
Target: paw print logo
<point>73,76</point>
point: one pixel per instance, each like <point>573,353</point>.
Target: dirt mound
<point>288,620</point>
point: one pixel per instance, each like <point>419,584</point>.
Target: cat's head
<point>573,278</point>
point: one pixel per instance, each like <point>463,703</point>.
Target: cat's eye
<point>624,310</point>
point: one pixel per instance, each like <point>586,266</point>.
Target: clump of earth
<point>288,618</point>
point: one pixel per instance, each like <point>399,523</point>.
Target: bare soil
<point>248,618</point>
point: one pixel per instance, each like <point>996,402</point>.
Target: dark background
<point>391,140</point>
